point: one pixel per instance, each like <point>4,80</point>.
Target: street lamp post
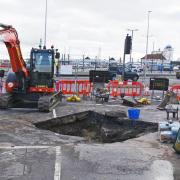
<point>147,42</point>
<point>95,63</point>
<point>132,35</point>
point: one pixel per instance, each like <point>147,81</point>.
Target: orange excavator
<point>29,84</point>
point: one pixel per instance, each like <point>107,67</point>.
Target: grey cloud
<point>84,25</point>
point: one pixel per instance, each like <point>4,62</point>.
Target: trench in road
<point>95,127</point>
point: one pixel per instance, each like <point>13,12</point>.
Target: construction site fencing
<point>80,87</point>
<point>126,88</point>
<point>176,89</point>
<point>84,87</point>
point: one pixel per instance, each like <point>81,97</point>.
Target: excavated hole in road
<point>95,127</point>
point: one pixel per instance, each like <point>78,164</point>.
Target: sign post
<point>160,84</point>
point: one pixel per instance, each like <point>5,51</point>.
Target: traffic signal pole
<point>124,61</point>
<point>132,35</point>
<point>127,50</point>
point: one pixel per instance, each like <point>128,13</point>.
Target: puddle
<point>95,127</point>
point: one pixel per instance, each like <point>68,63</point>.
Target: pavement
<point>29,153</point>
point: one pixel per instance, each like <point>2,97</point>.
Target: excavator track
<point>47,102</point>
<point>5,101</point>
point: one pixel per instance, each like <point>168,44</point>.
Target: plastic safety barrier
<point>125,88</point>
<point>85,87</point>
<point>80,87</point>
<point>176,89</point>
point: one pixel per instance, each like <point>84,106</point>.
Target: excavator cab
<point>42,68</point>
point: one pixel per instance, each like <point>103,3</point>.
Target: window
<point>42,62</point>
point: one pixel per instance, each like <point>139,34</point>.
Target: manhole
<point>99,128</point>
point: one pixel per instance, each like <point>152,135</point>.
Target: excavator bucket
<point>177,143</point>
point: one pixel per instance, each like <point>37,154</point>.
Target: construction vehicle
<point>28,85</point>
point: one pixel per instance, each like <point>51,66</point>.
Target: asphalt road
<point>28,153</point>
<point>118,161</point>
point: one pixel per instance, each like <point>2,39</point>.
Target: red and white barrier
<point>176,89</point>
<point>80,87</point>
<point>125,88</point>
<point>85,87</point>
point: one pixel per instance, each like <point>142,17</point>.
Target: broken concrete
<point>129,101</point>
<point>116,114</point>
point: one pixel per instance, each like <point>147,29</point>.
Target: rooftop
<point>154,57</point>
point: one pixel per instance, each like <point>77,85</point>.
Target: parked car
<point>176,68</point>
<point>136,68</point>
<point>128,74</point>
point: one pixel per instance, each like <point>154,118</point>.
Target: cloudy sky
<point>93,27</point>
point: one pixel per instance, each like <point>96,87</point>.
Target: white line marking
<point>24,147</point>
<point>54,113</point>
<point>162,170</point>
<point>57,172</point>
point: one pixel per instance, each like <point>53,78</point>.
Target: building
<point>168,53</point>
<point>154,57</point>
<point>154,60</point>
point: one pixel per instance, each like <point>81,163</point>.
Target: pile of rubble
<point>168,131</point>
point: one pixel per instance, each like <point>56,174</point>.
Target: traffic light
<point>128,44</point>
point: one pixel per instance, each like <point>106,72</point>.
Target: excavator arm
<point>9,36</point>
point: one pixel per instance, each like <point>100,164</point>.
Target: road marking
<point>162,170</point>
<point>54,113</point>
<point>57,171</point>
<point>24,147</point>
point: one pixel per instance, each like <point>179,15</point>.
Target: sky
<point>94,27</point>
